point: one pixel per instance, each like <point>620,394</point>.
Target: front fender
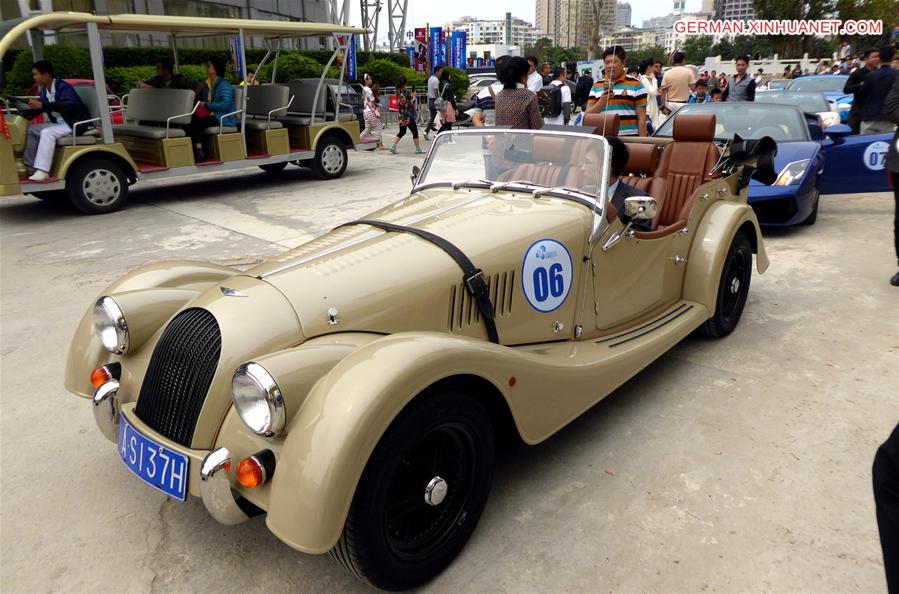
<point>184,279</point>
<point>329,441</point>
<point>720,224</point>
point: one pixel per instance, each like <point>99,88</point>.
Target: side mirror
<point>838,131</point>
<point>640,208</point>
<point>415,171</point>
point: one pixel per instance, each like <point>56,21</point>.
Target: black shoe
<point>895,280</point>
<point>199,155</point>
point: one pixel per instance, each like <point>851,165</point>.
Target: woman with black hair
<point>407,113</point>
<point>516,106</point>
<point>651,84</point>
<point>216,98</point>
<point>448,116</point>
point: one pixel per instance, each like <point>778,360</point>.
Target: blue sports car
<point>831,85</point>
<point>810,160</point>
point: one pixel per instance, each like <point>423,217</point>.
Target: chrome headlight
<point>110,325</point>
<point>792,173</point>
<point>258,400</point>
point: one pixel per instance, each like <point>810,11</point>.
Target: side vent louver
<point>463,311</point>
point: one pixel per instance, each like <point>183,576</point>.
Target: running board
<point>659,322</point>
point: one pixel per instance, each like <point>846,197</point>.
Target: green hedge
<point>126,66</point>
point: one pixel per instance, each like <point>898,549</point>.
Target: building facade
<point>734,10</point>
<point>508,31</point>
<point>622,15</point>
<point>571,23</point>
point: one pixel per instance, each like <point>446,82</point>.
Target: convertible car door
<point>637,277</point>
<point>855,164</point>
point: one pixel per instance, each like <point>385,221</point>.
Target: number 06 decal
<point>546,275</point>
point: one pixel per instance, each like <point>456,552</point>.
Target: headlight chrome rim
<point>253,375</point>
<point>109,324</point>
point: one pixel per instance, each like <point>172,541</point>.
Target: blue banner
<point>438,51</point>
<point>457,50</point>
<point>410,51</point>
<point>479,62</point>
<point>236,56</point>
<point>351,59</point>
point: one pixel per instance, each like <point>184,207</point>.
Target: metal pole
<point>96,51</point>
<point>321,80</point>
<point>243,96</point>
<point>174,45</point>
<point>275,63</point>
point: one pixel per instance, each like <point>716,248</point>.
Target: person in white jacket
<point>651,83</point>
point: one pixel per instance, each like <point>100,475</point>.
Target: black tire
<point>733,288</point>
<point>330,159</point>
<point>97,186</point>
<point>274,167</point>
<point>810,219</point>
<point>393,538</point>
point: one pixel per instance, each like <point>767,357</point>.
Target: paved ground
<point>739,465</point>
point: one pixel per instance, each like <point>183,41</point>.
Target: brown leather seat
<point>602,124</point>
<point>551,166</point>
<point>642,162</point>
<point>684,166</point>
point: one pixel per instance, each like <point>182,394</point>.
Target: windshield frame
<point>707,108</point>
<point>597,201</point>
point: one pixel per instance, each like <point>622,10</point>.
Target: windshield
<point>823,83</point>
<point>749,120</point>
<point>545,159</point>
<point>806,101</point>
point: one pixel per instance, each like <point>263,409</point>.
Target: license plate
<point>156,465</point>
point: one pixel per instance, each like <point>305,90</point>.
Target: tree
<point>698,49</point>
<point>546,52</point>
<point>794,46</point>
<point>882,10</point>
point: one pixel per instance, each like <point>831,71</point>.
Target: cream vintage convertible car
<point>352,389</point>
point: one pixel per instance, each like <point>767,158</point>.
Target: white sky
<point>435,12</point>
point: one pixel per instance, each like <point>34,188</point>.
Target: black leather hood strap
<point>473,278</point>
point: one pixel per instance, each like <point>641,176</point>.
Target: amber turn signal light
<point>250,473</point>
<point>100,376</point>
<point>253,471</point>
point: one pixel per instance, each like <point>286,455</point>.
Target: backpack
<point>582,91</point>
<point>440,102</point>
<point>550,100</point>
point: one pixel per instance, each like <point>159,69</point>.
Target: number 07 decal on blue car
<point>546,275</point>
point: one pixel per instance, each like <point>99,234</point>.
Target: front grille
<point>179,375</point>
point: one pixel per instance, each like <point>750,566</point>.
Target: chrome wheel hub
<point>436,491</point>
<point>735,286</point>
<point>101,187</point>
<point>332,159</point>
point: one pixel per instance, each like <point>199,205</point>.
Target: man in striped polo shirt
<point>624,96</point>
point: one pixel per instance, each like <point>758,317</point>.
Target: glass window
<point>749,120</point>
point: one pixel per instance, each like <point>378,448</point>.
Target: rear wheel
<point>733,288</point>
<point>421,494</point>
<point>274,167</point>
<point>330,159</point>
<point>96,186</point>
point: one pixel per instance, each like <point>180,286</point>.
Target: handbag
<point>440,102</point>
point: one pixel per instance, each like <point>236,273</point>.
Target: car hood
<point>394,282</point>
<point>788,152</point>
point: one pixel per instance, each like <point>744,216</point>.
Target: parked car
<point>775,84</point>
<point>808,102</point>
<point>477,85</point>
<point>811,160</point>
<point>831,85</point>
<point>354,388</point>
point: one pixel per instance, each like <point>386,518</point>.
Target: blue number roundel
<point>546,275</point>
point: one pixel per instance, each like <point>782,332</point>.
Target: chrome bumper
<point>215,488</point>
<point>215,484</point>
<point>106,409</point>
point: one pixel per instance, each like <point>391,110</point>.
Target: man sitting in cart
<point>165,78</point>
<point>62,106</point>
